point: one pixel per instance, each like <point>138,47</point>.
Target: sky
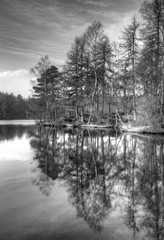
<point>31,29</point>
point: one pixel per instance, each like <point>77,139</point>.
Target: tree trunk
<point>93,96</point>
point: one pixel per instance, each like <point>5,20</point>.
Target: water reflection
<point>14,143</point>
<point>104,173</point>
<point>9,132</point>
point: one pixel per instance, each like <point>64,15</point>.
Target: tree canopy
<point>100,78</point>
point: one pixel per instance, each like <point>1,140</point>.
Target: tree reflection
<point>9,132</point>
<point>85,180</point>
<point>152,186</point>
<point>104,173</point>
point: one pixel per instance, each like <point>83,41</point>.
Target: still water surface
<point>60,184</point>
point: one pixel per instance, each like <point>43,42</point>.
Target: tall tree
<point>88,63</point>
<point>53,92</point>
<point>40,85</point>
<point>46,89</point>
<point>75,74</point>
<point>104,67</point>
<point>130,55</point>
<point>152,33</point>
<point>94,36</point>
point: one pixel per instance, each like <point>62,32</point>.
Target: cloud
<point>31,29</point>
<point>17,82</point>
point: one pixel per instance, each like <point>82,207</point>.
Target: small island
<point>104,84</point>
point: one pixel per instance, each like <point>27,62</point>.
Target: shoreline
<point>123,129</point>
<point>143,130</point>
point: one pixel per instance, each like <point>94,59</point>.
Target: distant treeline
<point>14,107</point>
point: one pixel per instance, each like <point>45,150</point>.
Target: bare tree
<point>131,51</point>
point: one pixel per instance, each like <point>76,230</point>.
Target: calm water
<point>80,185</point>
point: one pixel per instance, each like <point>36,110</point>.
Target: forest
<point>14,107</point>
<point>103,81</point>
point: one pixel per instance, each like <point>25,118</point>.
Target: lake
<point>80,184</point>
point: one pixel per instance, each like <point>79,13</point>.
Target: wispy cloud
<point>30,29</point>
<point>50,26</point>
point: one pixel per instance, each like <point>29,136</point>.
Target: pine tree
<point>46,89</point>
